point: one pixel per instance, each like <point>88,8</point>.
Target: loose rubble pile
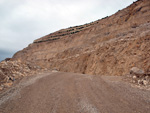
<point>139,77</point>
<point>13,70</point>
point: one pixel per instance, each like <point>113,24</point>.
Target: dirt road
<point>74,93</point>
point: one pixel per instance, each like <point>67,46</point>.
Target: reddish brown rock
<point>110,46</point>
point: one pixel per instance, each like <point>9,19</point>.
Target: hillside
<point>109,46</point>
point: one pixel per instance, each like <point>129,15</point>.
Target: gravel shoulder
<point>58,92</point>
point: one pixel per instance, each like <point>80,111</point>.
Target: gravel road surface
<point>58,92</point>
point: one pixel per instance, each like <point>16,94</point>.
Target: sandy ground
<point>60,92</point>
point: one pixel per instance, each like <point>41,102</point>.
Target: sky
<point>23,21</point>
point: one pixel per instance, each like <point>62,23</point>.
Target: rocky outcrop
<point>13,70</point>
<point>109,46</point>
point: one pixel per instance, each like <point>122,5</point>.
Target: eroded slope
<point>110,46</point>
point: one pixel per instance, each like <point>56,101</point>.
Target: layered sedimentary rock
<point>109,46</point>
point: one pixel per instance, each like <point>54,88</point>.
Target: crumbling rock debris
<point>139,77</point>
<point>12,70</point>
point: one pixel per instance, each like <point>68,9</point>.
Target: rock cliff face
<point>110,46</point>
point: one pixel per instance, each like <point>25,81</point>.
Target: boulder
<point>136,71</point>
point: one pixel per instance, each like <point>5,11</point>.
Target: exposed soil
<point>109,46</point>
<point>58,92</point>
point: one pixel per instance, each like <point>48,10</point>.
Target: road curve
<point>74,93</point>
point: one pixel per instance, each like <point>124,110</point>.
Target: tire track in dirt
<point>74,93</point>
